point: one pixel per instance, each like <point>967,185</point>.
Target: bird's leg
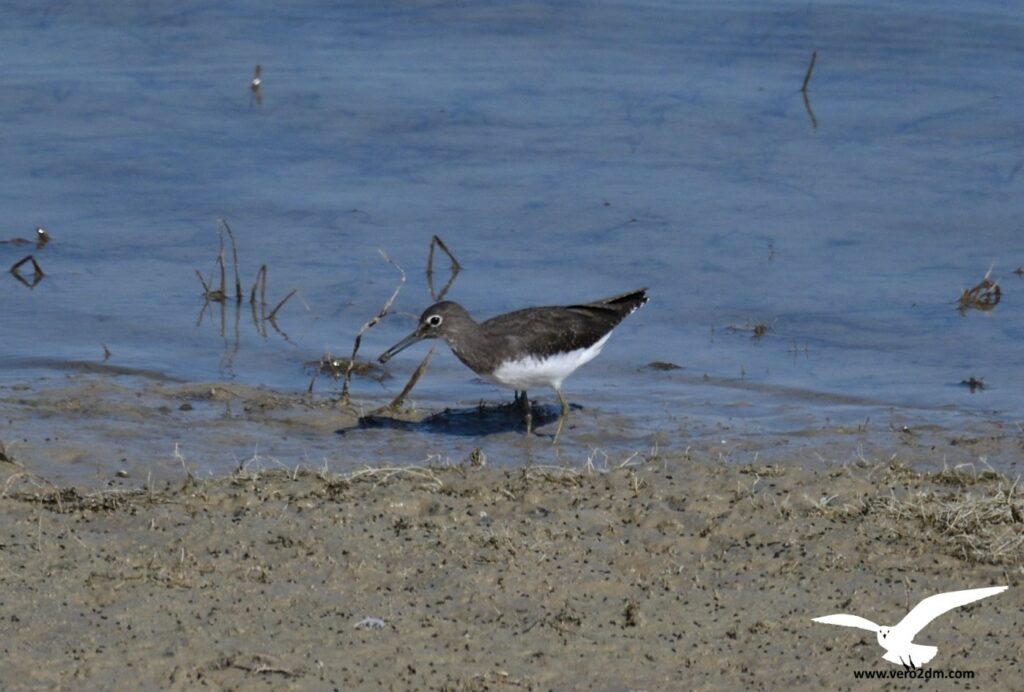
<point>564,414</point>
<point>524,404</point>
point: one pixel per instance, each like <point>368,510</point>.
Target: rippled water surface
<point>565,152</point>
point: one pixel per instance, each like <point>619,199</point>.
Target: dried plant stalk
<point>810,69</point>
<point>396,403</point>
<point>370,323</point>
<point>261,276</point>
<point>273,313</point>
<point>234,254</point>
<point>455,268</point>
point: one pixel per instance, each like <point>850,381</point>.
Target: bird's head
<point>883,635</point>
<point>439,321</point>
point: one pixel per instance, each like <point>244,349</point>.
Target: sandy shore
<point>671,573</point>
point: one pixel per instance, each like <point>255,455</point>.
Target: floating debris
<point>42,238</point>
<point>662,365</point>
<point>757,330</point>
<point>336,368</point>
<point>985,296</point>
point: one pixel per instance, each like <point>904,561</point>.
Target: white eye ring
<point>435,320</point>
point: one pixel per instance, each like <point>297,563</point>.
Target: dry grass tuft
<point>975,516</point>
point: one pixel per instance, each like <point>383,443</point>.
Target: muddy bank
<point>670,572</point>
<point>128,430</point>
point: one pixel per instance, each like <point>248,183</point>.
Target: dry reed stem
<point>255,83</point>
<point>810,112</point>
<point>206,287</point>
<point>220,295</point>
<point>369,324</point>
<point>396,403</point>
<point>36,269</point>
<point>273,313</point>
<point>234,254</point>
<point>223,269</point>
<point>803,91</point>
<point>810,69</point>
<point>454,271</point>
<point>383,474</point>
<point>261,275</point>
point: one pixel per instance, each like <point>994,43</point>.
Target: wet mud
<point>666,572</point>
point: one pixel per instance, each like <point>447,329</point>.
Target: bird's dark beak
<point>400,346</point>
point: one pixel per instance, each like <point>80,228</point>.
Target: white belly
<point>530,372</point>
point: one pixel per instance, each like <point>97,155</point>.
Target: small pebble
<point>370,624</point>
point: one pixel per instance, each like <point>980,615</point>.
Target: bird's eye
<point>435,320</point>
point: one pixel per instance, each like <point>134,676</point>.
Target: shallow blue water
<point>565,152</point>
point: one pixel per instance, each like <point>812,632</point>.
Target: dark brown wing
<point>624,303</point>
<point>546,331</point>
